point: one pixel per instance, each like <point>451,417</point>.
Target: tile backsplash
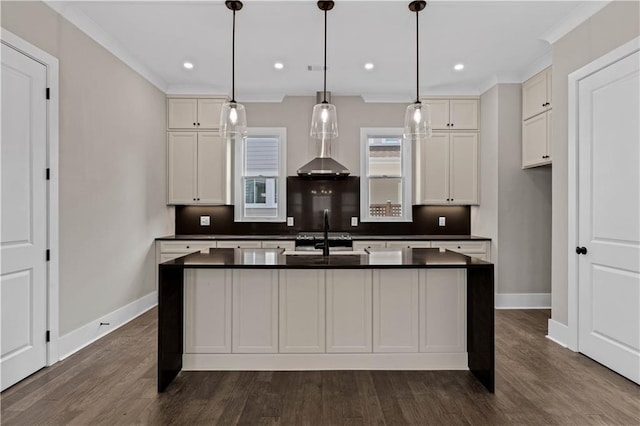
<point>425,221</point>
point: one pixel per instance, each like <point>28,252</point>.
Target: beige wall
<point>613,26</point>
<point>112,168</point>
<point>294,113</point>
<point>515,204</point>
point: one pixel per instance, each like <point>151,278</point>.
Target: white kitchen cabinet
<point>453,114</point>
<point>198,168</point>
<point>349,310</point>
<point>395,310</point>
<point>287,245</point>
<point>239,244</point>
<point>207,321</point>
<point>536,120</point>
<point>442,310</point>
<point>169,250</point>
<point>536,140</point>
<point>362,245</point>
<point>536,94</point>
<point>255,311</point>
<point>478,249</point>
<point>194,113</point>
<point>447,169</point>
<point>302,311</point>
<point>408,244</point>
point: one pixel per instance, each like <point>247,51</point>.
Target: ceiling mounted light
<point>188,65</point>
<point>417,119</point>
<point>278,65</point>
<point>324,120</point>
<point>233,118</point>
<point>368,66</point>
<point>458,67</point>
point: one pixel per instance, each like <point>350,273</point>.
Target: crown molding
<point>577,17</point>
<point>88,26</point>
<point>536,66</point>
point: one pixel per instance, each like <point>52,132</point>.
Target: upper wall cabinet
<point>447,169</point>
<point>536,94</point>
<point>453,114</point>
<point>194,113</point>
<point>536,120</point>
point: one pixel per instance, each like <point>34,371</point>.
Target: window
<point>260,176</point>
<point>385,185</point>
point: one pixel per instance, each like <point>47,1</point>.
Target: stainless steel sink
<point>319,252</point>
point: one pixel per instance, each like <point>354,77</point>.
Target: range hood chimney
<point>323,166</point>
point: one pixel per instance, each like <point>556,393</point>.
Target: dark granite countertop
<point>355,237</point>
<point>375,259</point>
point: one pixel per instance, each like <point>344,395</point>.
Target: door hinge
<point>48,336</point>
<point>48,255</point>
<point>48,173</point>
<point>48,94</point>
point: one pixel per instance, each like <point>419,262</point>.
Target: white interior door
<point>23,280</point>
<point>608,216</point>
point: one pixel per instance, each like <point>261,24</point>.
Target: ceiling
<point>500,41</point>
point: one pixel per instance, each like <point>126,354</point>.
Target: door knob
<point>581,250</point>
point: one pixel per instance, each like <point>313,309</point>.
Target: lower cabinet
<point>335,311</point>
<point>207,311</point>
<point>302,311</point>
<point>255,311</point>
<point>395,310</point>
<point>349,307</point>
<point>442,310</point>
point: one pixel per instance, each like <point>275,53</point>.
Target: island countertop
<point>375,258</point>
<point>354,237</point>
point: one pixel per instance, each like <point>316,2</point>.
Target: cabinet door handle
<point>581,250</point>
<point>451,124</point>
<point>198,124</point>
<point>194,124</point>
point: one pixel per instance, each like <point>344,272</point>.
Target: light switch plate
<point>354,221</point>
<point>289,221</point>
<point>442,221</point>
<point>205,220</point>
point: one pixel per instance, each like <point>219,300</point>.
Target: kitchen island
<point>280,304</point>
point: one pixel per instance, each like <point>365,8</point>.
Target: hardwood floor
<point>113,382</point>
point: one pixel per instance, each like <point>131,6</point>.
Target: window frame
<point>405,176</point>
<point>279,133</point>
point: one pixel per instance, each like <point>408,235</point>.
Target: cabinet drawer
<point>361,245</point>
<point>287,245</point>
<point>239,244</point>
<point>408,244</point>
<point>185,246</point>
<point>479,247</point>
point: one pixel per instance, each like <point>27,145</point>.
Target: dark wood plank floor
<point>113,382</point>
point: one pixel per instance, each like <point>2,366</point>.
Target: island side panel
<point>481,325</point>
<point>170,324</point>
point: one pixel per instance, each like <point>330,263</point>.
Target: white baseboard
<point>81,337</point>
<point>558,333</point>
<point>295,362</point>
<point>523,300</point>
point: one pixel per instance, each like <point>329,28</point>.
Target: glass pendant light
<point>233,118</point>
<point>324,120</point>
<point>417,119</point>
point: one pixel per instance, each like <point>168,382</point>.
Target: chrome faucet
<point>325,230</point>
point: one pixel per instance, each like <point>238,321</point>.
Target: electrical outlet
<point>442,221</point>
<point>289,221</point>
<point>205,220</point>
<point>354,221</point>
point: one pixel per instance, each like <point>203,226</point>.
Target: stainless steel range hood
<point>323,166</point>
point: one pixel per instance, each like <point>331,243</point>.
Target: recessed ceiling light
<point>458,67</point>
<point>368,66</point>
<point>188,65</point>
<point>278,65</point>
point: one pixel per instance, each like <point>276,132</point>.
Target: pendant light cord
<point>324,96</point>
<point>417,58</point>
<point>233,60</point>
